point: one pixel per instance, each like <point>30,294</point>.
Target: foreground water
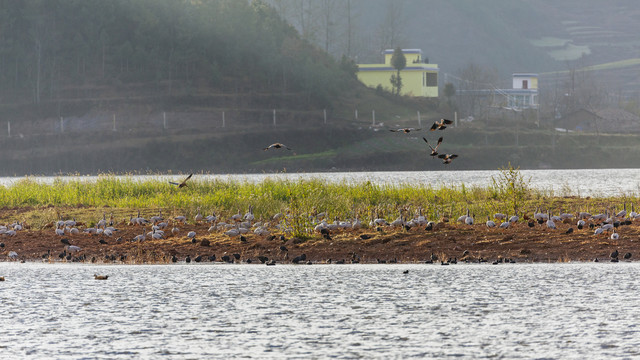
<point>352,311</point>
<point>580,182</point>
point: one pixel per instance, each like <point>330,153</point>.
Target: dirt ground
<point>445,241</point>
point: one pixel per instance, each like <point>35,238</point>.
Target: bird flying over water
<point>447,158</point>
<point>277,146</point>
<point>440,124</point>
<point>434,150</point>
<point>183,183</point>
<point>404,130</point>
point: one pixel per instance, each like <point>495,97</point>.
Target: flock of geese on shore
<point>239,226</point>
<point>437,125</point>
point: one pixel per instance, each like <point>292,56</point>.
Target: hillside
<point>164,86</point>
<point>539,36</point>
<point>350,146</point>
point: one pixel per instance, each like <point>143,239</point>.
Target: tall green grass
<point>295,197</point>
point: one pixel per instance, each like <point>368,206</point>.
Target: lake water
<point>568,311</point>
<point>581,182</point>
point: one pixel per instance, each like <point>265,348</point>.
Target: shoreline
<point>446,241</point>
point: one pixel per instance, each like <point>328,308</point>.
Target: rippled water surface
<point>568,311</point>
<point>583,182</point>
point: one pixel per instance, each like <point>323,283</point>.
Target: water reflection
<point>222,311</point>
<point>581,182</point>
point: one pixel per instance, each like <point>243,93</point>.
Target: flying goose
<point>404,130</point>
<point>440,124</point>
<point>277,146</point>
<point>434,150</point>
<point>183,183</point>
<point>447,158</point>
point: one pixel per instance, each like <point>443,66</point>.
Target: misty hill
<point>61,50</point>
<point>161,85</point>
<point>539,36</point>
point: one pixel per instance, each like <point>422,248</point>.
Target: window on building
<point>432,79</point>
<point>525,84</point>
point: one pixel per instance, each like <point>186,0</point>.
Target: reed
<point>87,200</point>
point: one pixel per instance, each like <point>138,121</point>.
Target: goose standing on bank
<point>103,221</point>
<point>514,219</point>
<point>249,215</point>
<point>490,223</point>
<point>140,237</point>
<point>550,223</point>
<point>469,219</point>
<point>462,218</point>
<point>614,235</point>
<point>198,217</point>
<point>157,218</point>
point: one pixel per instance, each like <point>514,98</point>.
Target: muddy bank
<point>519,242</point>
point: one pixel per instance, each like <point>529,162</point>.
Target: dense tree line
<point>49,45</point>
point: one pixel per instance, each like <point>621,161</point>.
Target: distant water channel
<point>581,182</point>
<point>550,311</point>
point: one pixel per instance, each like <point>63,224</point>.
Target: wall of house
<point>414,76</point>
<point>412,80</point>
<point>532,81</point>
<point>412,57</point>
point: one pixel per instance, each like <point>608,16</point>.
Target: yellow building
<point>418,78</point>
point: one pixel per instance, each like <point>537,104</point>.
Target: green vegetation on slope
<point>57,49</point>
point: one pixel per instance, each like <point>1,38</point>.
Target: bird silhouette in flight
<point>434,150</point>
<point>277,146</point>
<point>440,124</point>
<point>447,158</point>
<point>404,130</point>
<point>183,183</point>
